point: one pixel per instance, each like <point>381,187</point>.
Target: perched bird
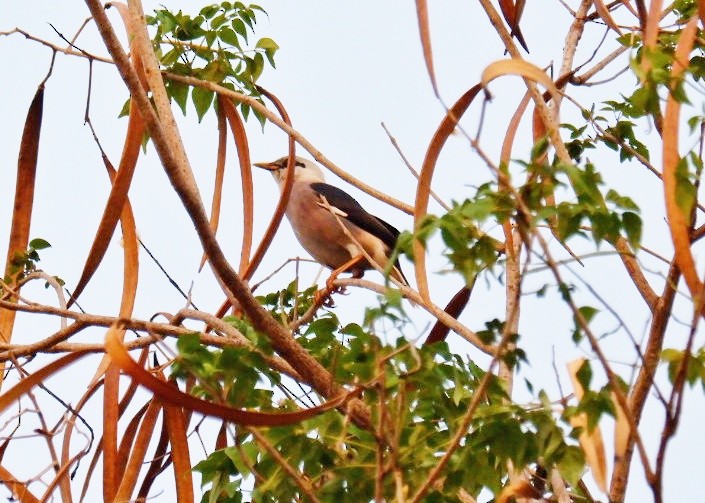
<point>331,225</point>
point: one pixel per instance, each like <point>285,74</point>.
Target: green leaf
<point>257,67</point>
<point>178,91</point>
<point>588,313</point>
<point>172,56</point>
<point>245,110</point>
<point>584,375</point>
<point>674,358</point>
<point>218,21</point>
<point>585,182</point>
<point>39,244</point>
<point>267,44</point>
<point>621,201</point>
<point>247,16</point>
<point>632,226</point>
<point>685,189</point>
<point>605,225</point>
<point>202,99</point>
<point>125,110</point>
<point>540,147</point>
<point>572,465</point>
<point>210,36</point>
<point>570,217</point>
<point>167,20</point>
<point>239,28</point>
<point>228,36</point>
<point>209,11</point>
<point>215,71</point>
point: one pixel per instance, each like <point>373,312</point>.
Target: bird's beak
<point>270,166</point>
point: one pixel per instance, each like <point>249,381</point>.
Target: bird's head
<point>304,170</point>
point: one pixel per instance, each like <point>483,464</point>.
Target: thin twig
<point>300,139</point>
<point>56,48</point>
<point>411,169</point>
<point>434,310</point>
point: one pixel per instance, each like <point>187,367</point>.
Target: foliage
<point>417,398</point>
<point>315,406</point>
<point>25,263</point>
<point>212,46</point>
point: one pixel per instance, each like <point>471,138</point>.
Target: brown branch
<point>635,272</point>
<point>674,409</point>
<point>56,342</point>
<point>514,276</point>
<point>411,169</point>
<point>434,310</point>
<point>575,32</point>
<point>614,383</point>
<point>300,139</point>
<point>165,138</point>
<point>645,379</point>
<point>582,79</point>
<point>540,104</point>
<point>69,51</point>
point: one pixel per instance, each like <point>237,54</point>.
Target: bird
<point>332,226</point>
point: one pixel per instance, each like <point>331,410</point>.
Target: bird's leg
<point>347,265</point>
<point>330,288</point>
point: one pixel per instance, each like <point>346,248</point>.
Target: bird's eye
<point>300,164</point>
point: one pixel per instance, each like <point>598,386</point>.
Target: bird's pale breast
<point>318,234</point>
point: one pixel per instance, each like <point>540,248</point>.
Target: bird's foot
<point>330,286</point>
<point>324,296</point>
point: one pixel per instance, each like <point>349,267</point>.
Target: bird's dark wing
<point>356,214</point>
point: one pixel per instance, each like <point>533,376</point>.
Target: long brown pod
<point>512,14</point>
<point>219,175</point>
<point>160,460</point>
<point>425,35</point>
<point>130,261</point>
<point>283,198</point>
<point>678,220</point>
<point>278,215</point>
<point>175,421</point>
<point>127,441</point>
<point>24,200</point>
<point>457,304</point>
<point>116,200</point>
<point>243,155</point>
<point>172,395</point>
<point>110,433</point>
<point>445,129</point>
<point>137,453</point>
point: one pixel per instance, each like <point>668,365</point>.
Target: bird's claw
<point>330,287</point>
<point>324,296</point>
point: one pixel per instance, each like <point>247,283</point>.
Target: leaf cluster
<point>692,364</point>
<point>27,262</point>
<point>417,398</point>
<point>212,46</point>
